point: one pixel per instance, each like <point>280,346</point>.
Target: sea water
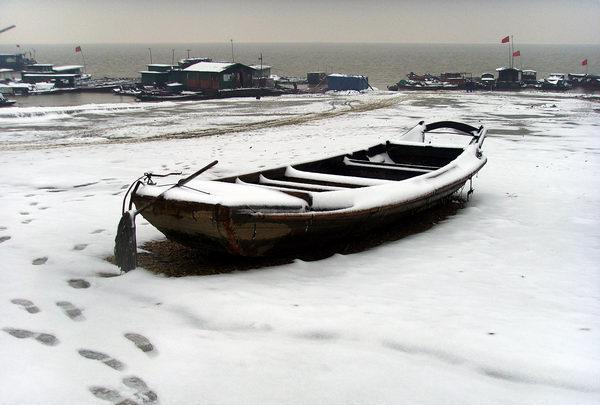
<point>384,64</point>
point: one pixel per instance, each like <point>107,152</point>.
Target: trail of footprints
<point>139,392</point>
<point>136,391</point>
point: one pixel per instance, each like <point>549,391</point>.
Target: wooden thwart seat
<point>298,185</point>
<point>391,166</point>
<point>303,194</point>
<point>333,179</point>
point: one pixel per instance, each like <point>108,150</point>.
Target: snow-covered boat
<point>126,91</point>
<point>4,102</point>
<point>169,96</point>
<point>292,208</point>
<point>556,81</point>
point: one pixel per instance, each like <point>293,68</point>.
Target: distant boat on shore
<point>4,102</point>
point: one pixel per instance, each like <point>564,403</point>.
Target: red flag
<point>584,62</point>
<point>77,49</point>
<point>505,39</point>
<point>516,53</point>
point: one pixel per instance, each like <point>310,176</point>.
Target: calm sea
<point>384,64</point>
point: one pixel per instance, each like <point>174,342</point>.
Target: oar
<point>125,241</point>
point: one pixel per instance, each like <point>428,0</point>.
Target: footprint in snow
<point>142,392</point>
<point>111,395</point>
<point>78,283</point>
<point>39,261</point>
<point>97,231</point>
<point>4,238</point>
<point>24,213</point>
<point>140,341</point>
<point>44,338</point>
<point>107,274</point>
<point>80,246</point>
<point>27,221</point>
<point>3,228</point>
<point>26,305</point>
<point>71,310</point>
<point>33,204</point>
<point>104,358</point>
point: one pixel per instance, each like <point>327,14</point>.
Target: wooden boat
<point>167,96</point>
<point>4,102</point>
<point>292,208</point>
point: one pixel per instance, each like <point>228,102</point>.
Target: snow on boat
<point>292,208</point>
<point>4,102</point>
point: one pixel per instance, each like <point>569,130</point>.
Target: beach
<point>495,301</point>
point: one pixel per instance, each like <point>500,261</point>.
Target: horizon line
<point>295,43</point>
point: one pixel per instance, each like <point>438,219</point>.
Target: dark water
<point>385,64</point>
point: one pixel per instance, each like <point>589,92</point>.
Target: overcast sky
<point>410,21</point>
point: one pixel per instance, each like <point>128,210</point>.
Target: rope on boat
<point>125,242</point>
<point>470,188</point>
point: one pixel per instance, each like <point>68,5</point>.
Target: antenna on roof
<point>232,58</point>
<point>150,50</point>
<point>172,57</point>
<point>188,51</point>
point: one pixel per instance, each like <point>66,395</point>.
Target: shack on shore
<point>157,74</point>
<point>340,82</point>
<point>213,76</point>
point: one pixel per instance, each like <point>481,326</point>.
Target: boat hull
<point>226,231</point>
<point>325,202</point>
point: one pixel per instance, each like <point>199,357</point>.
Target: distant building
<point>261,71</point>
<point>509,78</point>
<point>68,69</point>
<point>508,75</point>
<point>62,76</point>
<point>316,78</point>
<point>14,61</point>
<point>529,76</point>
<point>213,76</point>
<point>183,63</point>
<point>60,80</point>
<point>158,74</point>
<point>339,82</point>
<point>8,74</point>
<point>39,68</point>
<point>458,79</point>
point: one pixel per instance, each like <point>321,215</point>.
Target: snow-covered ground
<point>496,304</point>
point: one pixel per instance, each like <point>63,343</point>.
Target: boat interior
<point>377,165</point>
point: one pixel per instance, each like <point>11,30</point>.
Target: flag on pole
<point>584,62</point>
<point>505,39</point>
<point>77,49</point>
<point>516,53</point>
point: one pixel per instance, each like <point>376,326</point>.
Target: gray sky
<point>410,21</point>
